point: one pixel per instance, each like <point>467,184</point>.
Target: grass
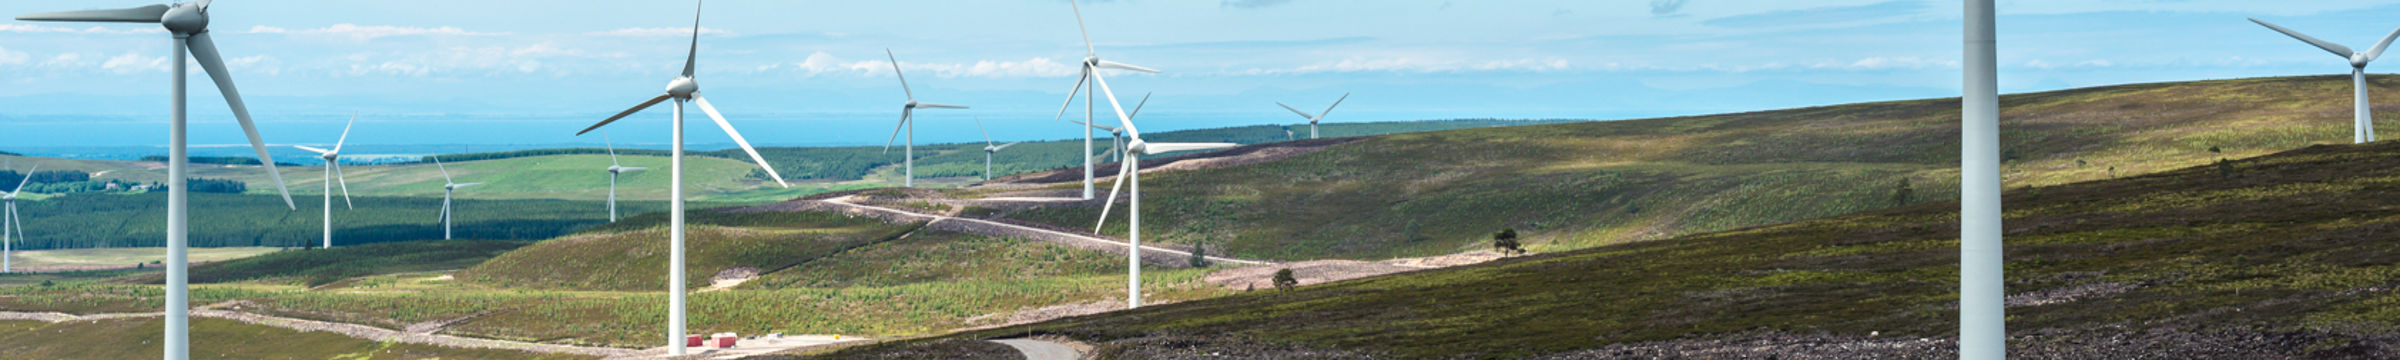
<point>313,267</point>
<point>631,255</point>
<point>2111,254</point>
<point>940,256</point>
<point>129,256</point>
<point>1578,185</point>
<point>138,338</point>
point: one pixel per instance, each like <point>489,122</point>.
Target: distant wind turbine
<point>7,244</point>
<point>333,174</point>
<point>1131,169</point>
<point>684,89</point>
<point>614,169</point>
<point>188,24</point>
<point>989,149</point>
<point>2362,126</point>
<point>448,187</point>
<point>1091,70</point>
<point>1117,134</point>
<point>1314,118</point>
<point>908,121</point>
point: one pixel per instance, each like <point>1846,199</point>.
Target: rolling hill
<point>1578,185</point>
<point>2280,256</point>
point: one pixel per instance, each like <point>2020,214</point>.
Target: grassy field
<point>313,267</point>
<point>227,220</point>
<point>2292,244</point>
<point>632,255</point>
<point>139,338</point>
<point>129,256</point>
<point>1578,185</point>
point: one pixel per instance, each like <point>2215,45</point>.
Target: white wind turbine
<point>448,187</point>
<point>683,89</point>
<point>989,149</point>
<point>188,24</point>
<point>10,224</point>
<point>333,174</point>
<point>1091,67</point>
<point>1131,168</point>
<point>1117,134</point>
<point>2362,126</point>
<point>1982,289</point>
<point>908,121</point>
<point>1313,119</point>
<point>614,169</point>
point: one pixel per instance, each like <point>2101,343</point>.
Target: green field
<point>1578,185</point>
<point>2288,245</point>
<point>129,256</point>
<point>138,338</point>
<point>227,220</point>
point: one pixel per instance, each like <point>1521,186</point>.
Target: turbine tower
<point>1982,328</point>
<point>333,174</point>
<point>989,149</point>
<point>1312,119</point>
<point>10,224</point>
<point>2362,126</point>
<point>448,187</point>
<point>1131,168</point>
<point>614,169</point>
<point>908,121</point>
<point>1091,67</point>
<point>684,89</point>
<point>188,24</point>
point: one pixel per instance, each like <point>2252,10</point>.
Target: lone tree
<point>1199,255</point>
<point>1284,279</point>
<point>1901,193</point>
<point>1505,242</point>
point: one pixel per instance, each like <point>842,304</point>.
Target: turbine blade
<point>1087,32</point>
<point>912,95</point>
<point>612,149</point>
<point>205,51</point>
<point>631,169</point>
<point>940,106</point>
<point>1122,170</point>
<point>987,134</point>
<point>887,143</point>
<point>1303,114</point>
<point>469,184</point>
<point>2336,49</point>
<point>621,115</point>
<point>1329,108</point>
<point>1162,148</point>
<point>1137,107</point>
<point>737,139</point>
<point>338,178</point>
<point>437,165</point>
<point>1079,79</point>
<point>1005,146</point>
<point>2380,45</point>
<point>1102,83</point>
<point>28,178</point>
<point>144,14</point>
<point>337,144</point>
<point>445,207</point>
<point>692,59</point>
<point>1125,66</point>
<point>312,149</point>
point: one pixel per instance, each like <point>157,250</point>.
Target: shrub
<point>1505,242</point>
<point>1199,256</point>
<point>1901,193</point>
<point>1284,279</point>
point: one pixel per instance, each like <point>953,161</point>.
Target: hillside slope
<point>1577,185</point>
<point>2282,256</point>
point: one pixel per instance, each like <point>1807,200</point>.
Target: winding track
<point>1041,350</point>
<point>351,330</point>
<point>995,228</point>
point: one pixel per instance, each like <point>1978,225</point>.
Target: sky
<point>814,72</point>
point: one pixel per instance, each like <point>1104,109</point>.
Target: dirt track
<point>1150,254</point>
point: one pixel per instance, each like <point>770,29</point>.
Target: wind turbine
<point>1131,168</point>
<point>989,149</point>
<point>2362,127</point>
<point>333,174</point>
<point>7,245</point>
<point>908,121</point>
<point>448,187</point>
<point>614,169</point>
<point>1982,326</point>
<point>682,89</point>
<point>1312,119</point>
<point>1117,134</point>
<point>1091,67</point>
<point>188,24</point>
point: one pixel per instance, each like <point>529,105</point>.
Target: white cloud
<point>1886,63</point>
<point>822,63</point>
<point>370,32</point>
<point>263,29</point>
<point>663,31</point>
<point>12,57</point>
<point>130,63</point>
<point>1417,64</point>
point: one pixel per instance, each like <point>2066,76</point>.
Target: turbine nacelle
<point>186,18</point>
<point>2359,60</point>
<point>683,87</point>
<point>912,104</point>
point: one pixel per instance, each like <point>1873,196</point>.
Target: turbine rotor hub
<point>185,19</point>
<point>683,87</point>
<point>2359,60</point>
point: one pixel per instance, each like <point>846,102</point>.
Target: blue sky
<point>813,72</point>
